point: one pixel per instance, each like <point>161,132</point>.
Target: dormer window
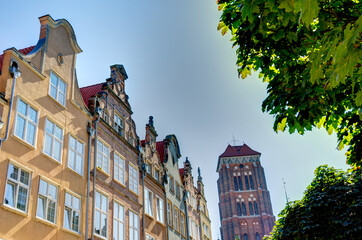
<point>119,124</point>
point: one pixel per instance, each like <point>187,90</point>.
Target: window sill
<point>118,182</point>
<point>102,171</point>
<point>46,222</point>
<point>74,172</point>
<point>71,232</point>
<point>14,210</point>
<point>161,223</point>
<point>61,105</point>
<point>22,141</point>
<point>51,158</point>
<point>100,236</point>
<point>134,193</point>
<point>149,216</point>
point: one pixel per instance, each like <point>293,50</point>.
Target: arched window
<point>240,184</point>
<point>245,236</point>
<point>247,183</point>
<point>244,208</point>
<point>256,210</point>
<point>257,236</point>
<point>239,209</point>
<point>236,184</point>
<point>251,182</point>
<point>251,208</point>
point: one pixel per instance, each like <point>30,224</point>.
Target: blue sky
<point>182,72</point>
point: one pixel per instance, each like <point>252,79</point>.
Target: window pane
<point>78,167</point>
<point>115,230</point>
<point>58,133</point>
<point>71,159</point>
<point>10,195</point>
<point>97,228</point>
<point>22,197</point>
<point>52,191</point>
<point>30,135</point>
<point>75,223</point>
<point>49,126</point>
<point>79,147</point>
<point>51,211</point>
<point>72,142</point>
<point>32,114</point>
<point>40,212</point>
<point>57,149</point>
<point>24,178</point>
<point>104,225</point>
<point>20,127</point>
<point>67,216</point>
<point>104,203</point>
<point>61,98</point>
<point>61,86</point>
<point>13,172</point>
<point>98,200</point>
<point>76,202</point>
<point>22,107</point>
<point>68,199</point>
<point>53,79</point>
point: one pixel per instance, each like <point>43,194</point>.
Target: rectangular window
<point>148,168</point>
<point>182,224</point>
<point>26,124</point>
<point>148,202</point>
<point>75,155</point>
<point>176,220</point>
<point>172,186</point>
<point>133,179</point>
<point>159,208</point>
<point>194,203</point>
<point>149,237</point>
<point>133,226</point>
<point>169,213</point>
<point>157,175</point>
<point>119,124</point>
<point>17,188</point>
<point>178,195</point>
<point>103,156</point>
<point>118,221</point>
<point>101,215</point>
<point>71,212</point>
<point>58,89</point>
<point>47,201</point>
<point>194,230</point>
<point>53,140</point>
<point>119,165</point>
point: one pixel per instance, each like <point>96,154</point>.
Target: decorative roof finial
<point>199,178</point>
<point>150,121</point>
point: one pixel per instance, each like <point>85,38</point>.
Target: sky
<point>182,72</point>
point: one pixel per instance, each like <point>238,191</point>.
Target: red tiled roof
<point>143,143</point>
<point>23,51</point>
<point>244,150</point>
<point>89,91</point>
<point>181,170</point>
<point>160,147</point>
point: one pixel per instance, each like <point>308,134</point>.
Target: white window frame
<point>77,156</point>
<point>73,210</point>
<point>133,179</point>
<point>182,224</point>
<point>57,89</point>
<point>119,123</point>
<point>169,213</point>
<point>103,153</point>
<point>176,219</point>
<point>119,168</point>
<point>119,221</point>
<point>27,121</point>
<point>51,136</point>
<point>48,199</point>
<point>148,167</point>
<point>148,202</point>
<point>149,237</point>
<point>98,209</point>
<point>17,184</point>
<point>160,210</point>
<point>134,226</point>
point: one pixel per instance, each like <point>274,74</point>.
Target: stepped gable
<point>244,150</point>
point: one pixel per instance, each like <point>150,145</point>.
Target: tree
<point>330,209</point>
<point>309,53</point>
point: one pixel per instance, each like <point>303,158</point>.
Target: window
<point>148,168</point>
<point>17,188</point>
<point>133,226</point>
<point>58,88</point>
<point>240,184</point>
<point>53,140</point>
<point>72,212</point>
<point>194,203</point>
<point>256,210</point>
<point>172,186</point>
<point>102,156</point>
<point>239,209</point>
<point>159,209</point>
<point>148,202</point>
<point>182,224</point>
<point>133,179</point>
<point>243,208</point>
<point>194,230</point>
<point>178,195</point>
<point>257,236</point>
<point>47,201</point>
<point>119,165</point>
<point>101,215</point>
<point>236,187</point>
<point>75,155</point>
<point>245,236</point>
<point>118,221</point>
<point>119,124</point>
<point>169,213</point>
<point>247,183</point>
<point>206,230</point>
<point>176,221</point>
<point>130,138</point>
<point>157,175</point>
<point>26,122</point>
<point>251,182</point>
<point>251,208</point>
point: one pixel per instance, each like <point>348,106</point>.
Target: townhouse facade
<point>71,163</point>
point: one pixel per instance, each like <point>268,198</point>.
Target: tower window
<point>244,208</point>
<point>247,183</point>
<point>245,236</point>
<point>240,184</point>
<point>236,184</point>
<point>251,208</point>
<point>251,182</point>
<point>239,209</point>
<point>256,210</point>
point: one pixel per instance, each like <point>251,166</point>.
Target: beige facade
<point>46,149</point>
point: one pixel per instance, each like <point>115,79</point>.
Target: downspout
<point>90,132</point>
<point>187,216</point>
<point>164,182</point>
<point>14,71</point>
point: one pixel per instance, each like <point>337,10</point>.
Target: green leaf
<point>358,98</point>
<point>288,5</point>
<point>310,10</point>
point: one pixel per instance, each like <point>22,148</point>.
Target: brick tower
<point>244,202</point>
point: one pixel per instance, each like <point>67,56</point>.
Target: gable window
<point>169,213</point>
<point>26,124</point>
<point>118,221</point>
<point>102,156</point>
<point>133,226</point>
<point>119,124</point>
<point>157,175</point>
<point>172,186</point>
<point>148,168</point>
<point>178,195</point>
<point>159,210</point>
<point>75,155</point>
<point>119,168</point>
<point>47,201</point>
<point>17,188</point>
<point>101,215</point>
<point>133,179</point>
<point>71,212</point>
<point>148,202</point>
<point>58,89</point>
<point>53,140</point>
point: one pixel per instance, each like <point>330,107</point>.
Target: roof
<point>160,147</point>
<point>244,150</point>
<point>90,91</point>
<point>181,170</point>
<point>23,51</point>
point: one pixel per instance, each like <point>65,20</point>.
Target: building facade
<point>244,200</point>
<point>205,222</point>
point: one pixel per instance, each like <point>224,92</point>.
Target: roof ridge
<point>93,85</point>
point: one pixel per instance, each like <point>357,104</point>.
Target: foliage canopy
<point>330,209</point>
<point>309,53</point>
